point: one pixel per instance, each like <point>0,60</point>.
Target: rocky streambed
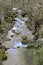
<point>16,55</point>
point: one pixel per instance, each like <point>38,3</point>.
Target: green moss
<point>30,46</point>
<point>1,58</point>
<point>2,51</point>
<point>24,37</point>
<point>25,40</point>
<point>2,55</point>
<point>30,41</point>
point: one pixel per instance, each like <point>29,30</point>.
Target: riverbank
<point>5,29</point>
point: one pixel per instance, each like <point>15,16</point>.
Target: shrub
<point>13,31</point>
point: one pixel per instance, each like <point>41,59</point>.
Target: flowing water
<point>18,56</point>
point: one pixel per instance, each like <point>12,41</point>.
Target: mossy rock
<point>24,14</point>
<point>24,37</point>
<point>30,41</point>
<point>30,46</point>
<point>8,39</point>
<point>12,35</point>
<point>2,47</point>
<point>13,31</point>
<point>2,51</point>
<point>27,41</point>
<point>24,42</point>
<point>15,15</point>
<point>18,47</point>
<point>2,57</point>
